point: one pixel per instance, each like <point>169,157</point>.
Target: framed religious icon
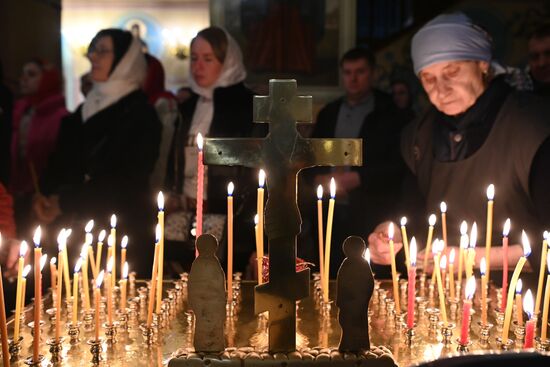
<point>299,39</point>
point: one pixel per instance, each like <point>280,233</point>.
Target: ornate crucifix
<point>282,154</point>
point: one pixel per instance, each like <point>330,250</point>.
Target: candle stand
<point>484,332</point>
<point>15,348</point>
<point>95,349</point>
<point>56,347</point>
<point>74,332</point>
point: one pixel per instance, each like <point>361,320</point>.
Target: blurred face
<point>357,78</point>
<point>401,96</point>
<point>539,58</point>
<point>205,67</point>
<point>101,55</point>
<point>30,79</point>
<point>454,86</point>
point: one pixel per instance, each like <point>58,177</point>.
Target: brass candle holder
<point>51,317</point>
<point>519,332</point>
<point>56,349</point>
<point>422,303</point>
<point>484,332</point>
<point>499,318</point>
<point>542,345</point>
<point>148,334</point>
<point>73,330</point>
<point>133,313</point>
<point>88,319</point>
<point>422,285</point>
<point>96,349</point>
<point>31,362</point>
<point>453,308</point>
<point>410,335</point>
<point>14,347</point>
<point>433,318</point>
<point>463,347</point>
<point>122,316</point>
<point>111,332</point>
<point>509,344</point>
<point>447,332</point>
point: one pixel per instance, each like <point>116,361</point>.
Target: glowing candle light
<point>471,254</point>
<point>452,273</point>
<point>123,286</point>
<point>90,259</point>
<point>519,303</point>
<point>431,221</point>
<point>320,234</point>
<point>230,189</point>
<point>541,272</point>
<point>411,284</point>
<point>436,256</point>
<point>260,213</point>
<point>26,271</point>
<point>37,292</point>
<point>53,273</point>
<point>100,240</point>
<point>153,280</point>
<point>259,263</point>
<point>442,308</point>
<point>123,246</point>
<point>530,324</point>
<point>97,298</point>
<point>443,208</point>
<point>160,271</point>
<point>62,244</point>
<point>112,245</point>
<point>328,238</point>
<point>512,287</point>
<point>3,322</point>
<point>66,274</point>
<point>463,248</point>
<point>395,279</point>
<point>505,232</point>
<point>405,241</point>
<point>23,248</point>
<point>489,232</point>
<point>466,307</point>
<point>84,270</point>
<point>108,284</point>
<point>366,255</point>
<point>200,187</point>
<point>544,327</point>
<point>483,272</point>
<point>77,268</point>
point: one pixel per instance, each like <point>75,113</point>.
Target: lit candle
<point>160,270</point>
<point>443,268</point>
<point>108,284</point>
<point>541,272</point>
<point>442,308</point>
<point>37,292</point>
<point>443,208</point>
<point>26,271</point>
<point>512,287</point>
<point>366,255</point>
<point>89,242</point>
<point>395,279</point>
<point>53,273</point>
<point>153,280</point>
<point>436,256</point>
<point>463,248</point>
<point>320,234</point>
<point>85,288</point>
<point>328,237</point>
<point>3,322</point>
<point>466,307</point>
<point>77,268</point>
<point>530,324</point>
<point>66,275</point>
<point>123,286</point>
<point>405,241</point>
<point>519,303</point>
<point>505,232</point>
<point>21,264</point>
<point>471,254</point>
<point>123,246</point>
<point>411,285</point>
<point>62,243</point>
<point>100,240</point>
<point>489,232</point>
<point>112,244</point>
<point>260,212</point>
<point>483,272</point>
<point>259,263</point>
<point>97,297</point>
<point>431,221</point>
<point>230,189</point>
<point>200,188</point>
<point>546,303</point>
<point>452,273</point>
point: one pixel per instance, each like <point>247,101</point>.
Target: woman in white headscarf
<point>478,131</point>
<point>107,148</point>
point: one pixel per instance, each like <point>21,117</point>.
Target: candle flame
<point>43,260</point>
<point>519,286</point>
<point>230,189</point>
<point>23,248</point>
<point>443,262</point>
<point>528,305</point>
<point>391,231</point>
<point>470,288</point>
<point>84,250</point>
<point>68,233</point>
<point>545,235</point>
<point>473,235</point>
<point>463,227</point>
<point>526,244</point>
<point>366,255</point>
<point>403,221</point>
<point>332,188</point>
<point>99,279</point>
<point>452,256</point>
<point>157,233</point>
<point>125,270</point>
<point>320,192</point>
<point>200,141</point>
<point>124,241</point>
<point>37,236</point>
<point>160,201</point>
<point>435,246</point>
<point>78,265</point>
<point>111,241</point>
<point>483,266</point>
<point>102,235</point>
<point>490,192</point>
<point>113,221</point>
<point>413,251</point>
<point>110,264</point>
<point>261,178</point>
<point>464,240</point>
<point>53,260</point>
<point>506,230</point>
<point>432,219</point>
<point>26,270</point>
<point>443,207</point>
<point>89,226</point>
<point>256,219</point>
<point>62,240</point>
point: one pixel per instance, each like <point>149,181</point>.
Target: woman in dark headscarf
<point>107,149</point>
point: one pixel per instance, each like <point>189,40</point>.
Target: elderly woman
<point>477,132</point>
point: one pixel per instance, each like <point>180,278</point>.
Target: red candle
<point>467,305</point>
<point>200,186</point>
<point>505,233</point>
<point>411,284</point>
<point>529,325</point>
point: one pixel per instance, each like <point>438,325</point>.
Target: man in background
<point>538,50</point>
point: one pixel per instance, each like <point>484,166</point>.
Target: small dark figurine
<point>355,284</point>
<point>207,297</point>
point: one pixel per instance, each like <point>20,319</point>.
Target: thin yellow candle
<point>452,274</point>
<point>544,327</point>
<point>108,284</point>
<point>88,242</point>
<point>443,208</point>
<point>443,268</point>
<point>541,272</point>
<point>153,280</point>
<point>489,232</point>
<point>463,248</point>
<point>405,241</point>
<point>483,272</point>
<point>259,263</point>
<point>53,273</point>
<point>100,240</point>
<point>395,279</point>
<point>123,286</point>
<point>512,287</point>
<point>37,292</point>
<point>85,288</point>
<point>66,274</point>
<point>62,243</point>
<point>123,246</point>
<point>21,264</point>
<point>328,238</point>
<point>471,253</point>
<point>160,270</point>
<point>260,211</point>
<point>97,297</point>
<point>26,271</point>
<point>230,189</point>
<point>320,234</point>
<point>431,221</point>
<point>519,303</point>
<point>113,248</point>
<point>436,252</point>
<point>77,268</point>
<point>442,308</point>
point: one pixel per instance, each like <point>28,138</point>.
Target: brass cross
<point>282,154</point>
